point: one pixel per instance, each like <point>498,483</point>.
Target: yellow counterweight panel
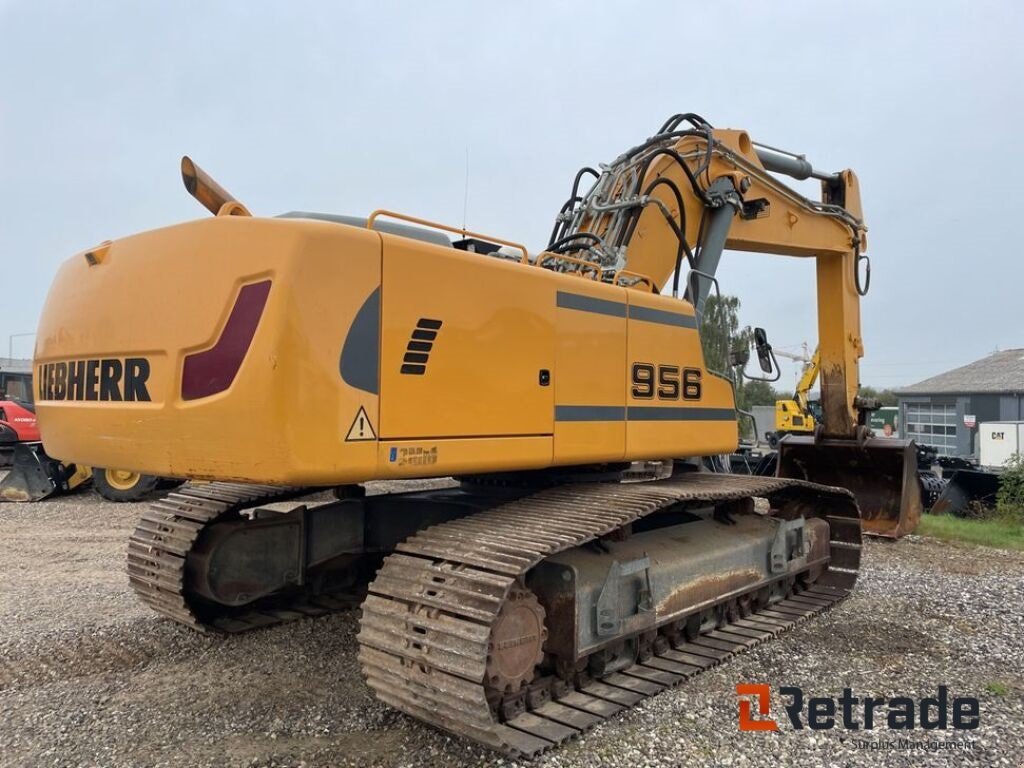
<point>285,415</point>
<point>591,375</point>
<point>465,340</point>
<point>331,310</point>
<point>675,407</point>
<point>453,456</point>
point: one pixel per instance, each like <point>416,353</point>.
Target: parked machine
<point>545,593</point>
<point>17,425</point>
<point>33,475</point>
<point>965,486</point>
<point>796,416</point>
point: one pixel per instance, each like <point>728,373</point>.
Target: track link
<point>425,632</point>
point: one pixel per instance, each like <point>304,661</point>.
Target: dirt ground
<point>89,676</point>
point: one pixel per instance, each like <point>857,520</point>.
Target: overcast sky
<point>348,107</point>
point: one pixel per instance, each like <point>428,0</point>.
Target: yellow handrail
<point>592,266</point>
<point>446,228</point>
<point>636,276</point>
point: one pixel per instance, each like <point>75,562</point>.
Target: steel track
<point>426,625</point>
<point>169,529</point>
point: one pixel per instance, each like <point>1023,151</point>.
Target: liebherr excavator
<point>544,593</point>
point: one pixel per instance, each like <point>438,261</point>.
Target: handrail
<point>435,225</point>
<point>592,266</point>
<point>584,266</point>
<point>636,276</point>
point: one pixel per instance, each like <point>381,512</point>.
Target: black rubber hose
<point>699,245</point>
<point>555,246</point>
<point>862,288</point>
<point>579,177</point>
<point>679,229</point>
<point>691,117</point>
<point>697,189</point>
<point>700,232</point>
<point>559,228</point>
<point>663,137</point>
<point>628,232</point>
<point>556,231</point>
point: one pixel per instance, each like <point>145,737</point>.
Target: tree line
<point>721,333</point>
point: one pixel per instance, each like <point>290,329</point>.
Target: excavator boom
<point>682,198</point>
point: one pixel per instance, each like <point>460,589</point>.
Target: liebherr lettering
<point>101,379</point>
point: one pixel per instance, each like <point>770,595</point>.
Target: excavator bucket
<point>967,487</point>
<point>881,473</point>
<point>34,475</point>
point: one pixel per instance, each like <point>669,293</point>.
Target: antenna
<point>465,195</point>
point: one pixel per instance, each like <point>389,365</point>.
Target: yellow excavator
<point>549,590</point>
<point>795,416</point>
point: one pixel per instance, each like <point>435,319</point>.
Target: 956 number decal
<point>667,382</point>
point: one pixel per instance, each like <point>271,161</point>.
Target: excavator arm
<point>806,383</point>
<point>673,204</point>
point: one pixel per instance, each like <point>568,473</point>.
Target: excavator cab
<point>881,473</point>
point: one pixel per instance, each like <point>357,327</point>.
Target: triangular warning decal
<point>361,428</point>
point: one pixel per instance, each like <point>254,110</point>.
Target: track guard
<point>881,473</point>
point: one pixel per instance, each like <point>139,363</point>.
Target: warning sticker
<point>361,428</point>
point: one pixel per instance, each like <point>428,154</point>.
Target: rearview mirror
<point>764,350</point>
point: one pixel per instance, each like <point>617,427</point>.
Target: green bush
<point>1010,499</point>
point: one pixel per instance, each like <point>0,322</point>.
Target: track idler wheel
<point>517,642</point>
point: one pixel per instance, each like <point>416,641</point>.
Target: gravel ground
<point>88,676</point>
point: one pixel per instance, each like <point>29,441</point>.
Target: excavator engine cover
<point>880,472</point>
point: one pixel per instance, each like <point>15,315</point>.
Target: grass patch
<point>997,688</point>
<point>997,532</point>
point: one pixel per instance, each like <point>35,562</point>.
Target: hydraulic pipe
<point>715,236</point>
<point>791,165</point>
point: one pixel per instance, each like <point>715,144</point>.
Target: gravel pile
<point>90,677</point>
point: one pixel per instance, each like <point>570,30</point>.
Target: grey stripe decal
<point>578,301</point>
<point>641,413</point>
<point>360,353</point>
<point>661,413</point>
<point>590,413</point>
<point>661,317</point>
<point>567,300</point>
